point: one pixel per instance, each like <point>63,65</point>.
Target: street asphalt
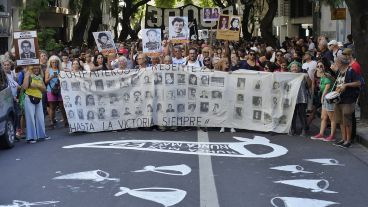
<point>28,172</point>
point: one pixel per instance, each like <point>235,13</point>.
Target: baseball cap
<point>332,42</point>
<point>339,44</point>
<point>123,51</point>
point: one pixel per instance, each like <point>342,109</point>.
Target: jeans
<point>35,121</point>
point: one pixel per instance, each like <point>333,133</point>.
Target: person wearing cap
<point>348,85</point>
<point>335,49</point>
<point>122,52</point>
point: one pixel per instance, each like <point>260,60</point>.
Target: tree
<point>165,3</point>
<point>267,23</point>
<point>359,27</point>
<point>30,15</point>
<point>81,26</point>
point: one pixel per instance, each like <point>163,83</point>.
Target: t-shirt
<point>180,61</point>
<point>33,91</point>
<point>323,82</point>
<point>12,84</point>
<point>350,95</point>
<point>310,68</point>
<point>356,67</point>
<point>66,66</point>
<point>197,63</point>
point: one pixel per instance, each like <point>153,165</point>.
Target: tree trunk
<point>359,27</point>
<point>247,35</point>
<point>80,27</point>
<point>115,14</point>
<point>96,21</point>
<point>266,23</point>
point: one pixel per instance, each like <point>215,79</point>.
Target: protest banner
<point>228,27</point>
<point>175,95</point>
<point>151,40</point>
<point>178,29</point>
<point>26,48</point>
<point>105,43</point>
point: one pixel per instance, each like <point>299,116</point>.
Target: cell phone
<point>55,73</point>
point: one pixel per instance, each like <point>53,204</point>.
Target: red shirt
<point>356,67</point>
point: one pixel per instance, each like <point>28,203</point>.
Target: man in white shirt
<point>178,56</point>
<point>66,65</point>
<point>309,65</point>
<point>335,49</point>
<point>193,58</point>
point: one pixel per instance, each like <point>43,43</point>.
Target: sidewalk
<point>362,133</point>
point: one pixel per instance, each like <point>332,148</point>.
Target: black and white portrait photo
<point>192,93</point>
<point>240,98</point>
<point>181,79</point>
<point>178,28</point>
<point>64,86</point>
<point>124,83</point>
<point>101,113</point>
<point>223,23</point>
<point>204,107</point>
<point>137,97</point>
<point>148,95</point>
<point>159,107</point>
<point>27,49</point>
<point>104,40</point>
<point>192,79</point>
<point>170,108</point>
<point>78,101</point>
<point>287,87</point>
<point>181,108</point>
<point>216,108</point>
<point>66,102</point>
<point>257,115</point>
<point>90,115</point>
<point>149,109</point>
<point>192,107</point>
<point>76,86</point>
<point>114,98</point>
<point>151,40</point>
<point>181,93</point>
<point>169,78</point>
<point>286,103</point>
<point>267,118</point>
<point>135,80</point>
<point>257,101</point>
<point>257,84</point>
<point>126,97</point>
<point>171,95</point>
<point>87,85</point>
<point>234,24</point>
<point>127,111</point>
<point>157,78</point>
<point>146,79</point>
<point>238,113</point>
<point>138,111</point>
<point>283,120</point>
<point>90,100</point>
<point>275,85</point>
<point>99,85</point>
<point>204,94</point>
<point>241,83</point>
<point>216,95</point>
<point>71,114</point>
<point>205,80</point>
<point>115,113</point>
<point>80,114</point>
<point>218,81</point>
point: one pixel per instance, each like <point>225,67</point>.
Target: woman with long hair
<point>54,98</point>
<point>326,83</point>
<point>34,86</point>
<point>99,62</point>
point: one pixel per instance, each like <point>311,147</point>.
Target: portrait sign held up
<point>178,29</point>
<point>151,42</point>
<point>26,48</point>
<point>211,14</point>
<point>104,42</point>
<point>228,27</point>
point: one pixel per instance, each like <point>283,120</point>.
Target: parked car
<point>7,114</point>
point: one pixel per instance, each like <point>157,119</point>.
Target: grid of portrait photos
<point>167,93</point>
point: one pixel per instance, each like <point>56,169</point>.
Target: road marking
<point>207,186</point>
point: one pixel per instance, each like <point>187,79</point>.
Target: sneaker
<point>339,143</point>
<point>232,130</point>
<point>31,141</point>
<point>345,145</point>
<point>317,136</point>
<point>222,130</point>
<point>329,139</point>
<point>44,138</point>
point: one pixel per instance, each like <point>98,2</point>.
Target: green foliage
<point>206,3</point>
<point>30,16</point>
<point>165,3</point>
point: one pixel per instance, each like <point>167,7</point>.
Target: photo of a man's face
<point>178,27</point>
<point>152,36</point>
<point>26,49</point>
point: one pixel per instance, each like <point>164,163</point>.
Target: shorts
<point>328,107</point>
<point>52,98</point>
<point>344,113</point>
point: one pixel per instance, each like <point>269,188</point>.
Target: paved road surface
<point>27,173</point>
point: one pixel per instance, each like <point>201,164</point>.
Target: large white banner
<point>172,95</point>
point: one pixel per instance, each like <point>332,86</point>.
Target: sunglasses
<point>278,55</point>
<point>320,66</point>
<point>207,60</point>
<point>252,54</point>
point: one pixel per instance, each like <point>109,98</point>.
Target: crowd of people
<point>327,66</point>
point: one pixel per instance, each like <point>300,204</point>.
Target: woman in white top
<point>89,63</point>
